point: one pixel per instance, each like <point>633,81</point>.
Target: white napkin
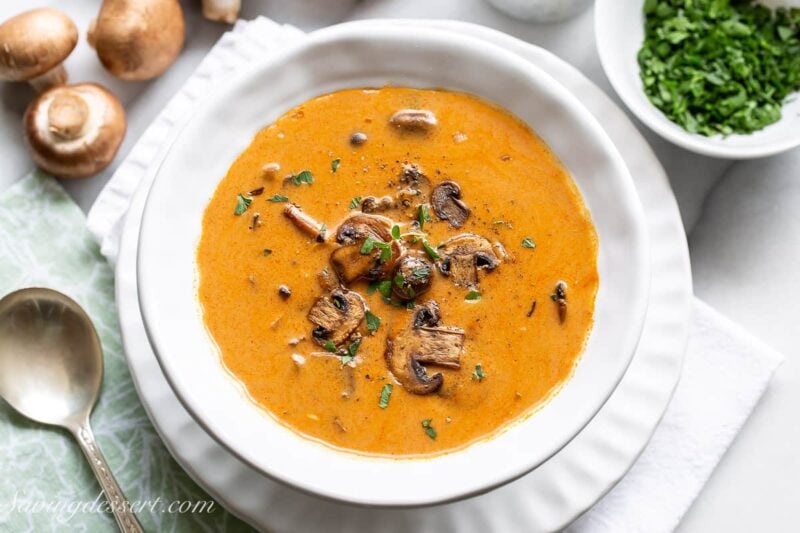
<point>725,372</point>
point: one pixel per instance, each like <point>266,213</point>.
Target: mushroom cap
<point>35,42</point>
<point>74,131</point>
<point>138,39</point>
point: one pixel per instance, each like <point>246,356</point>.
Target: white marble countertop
<point>743,221</point>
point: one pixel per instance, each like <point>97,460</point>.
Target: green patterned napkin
<point>46,483</point>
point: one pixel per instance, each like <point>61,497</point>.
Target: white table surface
<point>744,229</point>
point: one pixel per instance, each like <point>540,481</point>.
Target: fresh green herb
<point>304,177</point>
<point>399,279</point>
<point>429,430</point>
<point>719,66</point>
<point>337,303</point>
<point>335,165</point>
<point>420,273</point>
<point>385,288</point>
<point>242,203</point>
<point>395,231</point>
<point>267,252</point>
<point>352,350</point>
<point>423,216</point>
<point>330,346</point>
<point>355,202</point>
<point>478,374</point>
<point>373,322</point>
<point>473,296</point>
<point>370,244</point>
<point>527,242</point>
<point>386,395</point>
<point>277,198</point>
<point>431,252</point>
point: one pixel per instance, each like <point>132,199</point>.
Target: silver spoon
<point>51,368</point>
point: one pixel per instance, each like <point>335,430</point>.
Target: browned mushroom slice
<point>414,120</point>
<point>412,276</point>
<point>463,255</point>
<point>348,261</point>
<point>424,342</point>
<point>371,204</point>
<point>336,316</point>
<point>447,204</point>
<point>305,223</point>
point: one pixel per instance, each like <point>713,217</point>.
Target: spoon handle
<point>124,515</point>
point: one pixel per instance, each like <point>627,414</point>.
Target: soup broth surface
<point>517,331</point>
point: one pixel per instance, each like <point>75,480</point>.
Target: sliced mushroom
<point>305,223</point>
<point>336,316</point>
<point>424,342</point>
<point>447,204</point>
<point>414,120</point>
<point>34,44</point>
<point>371,204</point>
<point>412,277</point>
<point>348,261</point>
<point>463,255</point>
<point>327,280</point>
<point>560,298</point>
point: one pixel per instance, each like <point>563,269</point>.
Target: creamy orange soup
<point>398,271</point>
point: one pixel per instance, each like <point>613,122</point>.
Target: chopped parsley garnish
<point>429,430</point>
<point>395,231</point>
<point>399,279</point>
<point>386,395</point>
<point>278,198</point>
<point>423,216</point>
<point>335,165</point>
<point>267,252</point>
<point>719,66</point>
<point>373,322</point>
<point>355,202</point>
<point>242,203</point>
<point>420,273</point>
<point>385,288</point>
<point>430,251</point>
<point>337,303</point>
<point>370,244</point>
<point>473,296</point>
<point>527,242</point>
<point>330,346</point>
<point>352,350</point>
<point>478,374</point>
<point>304,177</point>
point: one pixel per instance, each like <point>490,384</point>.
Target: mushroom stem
<point>51,78</point>
<point>67,116</point>
<point>305,223</point>
<point>222,10</point>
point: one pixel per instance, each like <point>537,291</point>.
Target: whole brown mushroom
<point>222,10</point>
<point>74,131</point>
<point>33,45</point>
<point>138,39</point>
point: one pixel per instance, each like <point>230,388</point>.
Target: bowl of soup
<point>392,266</point>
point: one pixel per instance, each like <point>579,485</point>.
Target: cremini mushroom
<point>412,276</point>
<point>138,39</point>
<point>372,204</point>
<point>463,255</point>
<point>336,316</point>
<point>351,261</point>
<point>559,296</point>
<point>305,223</point>
<point>222,10</point>
<point>447,204</point>
<point>424,342</point>
<point>414,120</point>
<point>74,131</point>
<point>33,45</point>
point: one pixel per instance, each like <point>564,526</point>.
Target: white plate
<point>548,498</point>
<point>619,30</point>
<point>361,55</point>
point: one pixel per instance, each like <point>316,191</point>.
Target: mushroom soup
<point>398,271</point>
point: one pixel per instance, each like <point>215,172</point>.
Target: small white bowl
<point>362,55</point>
<point>619,30</point>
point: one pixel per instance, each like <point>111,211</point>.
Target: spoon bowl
<point>51,362</point>
<point>51,369</point>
